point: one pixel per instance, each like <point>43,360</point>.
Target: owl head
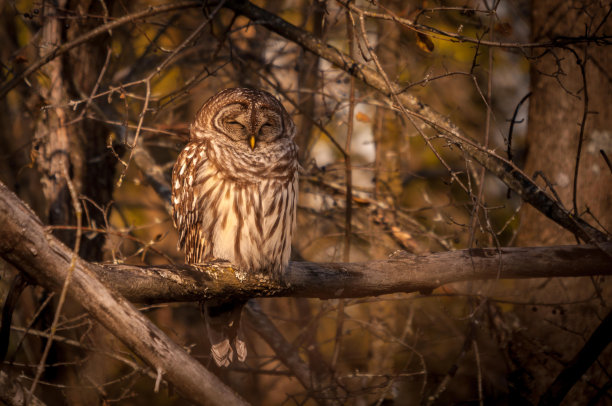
<point>244,119</point>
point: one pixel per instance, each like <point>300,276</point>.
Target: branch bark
<point>357,279</point>
<point>25,244</point>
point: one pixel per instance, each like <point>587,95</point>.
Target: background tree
<point>567,146</point>
<point>409,115</point>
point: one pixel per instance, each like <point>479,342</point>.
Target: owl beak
<point>252,142</point>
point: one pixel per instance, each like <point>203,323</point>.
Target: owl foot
<point>241,349</point>
<point>223,354</point>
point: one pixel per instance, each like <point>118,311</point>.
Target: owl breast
<point>235,213</point>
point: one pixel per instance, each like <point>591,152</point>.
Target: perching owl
<point>234,196</point>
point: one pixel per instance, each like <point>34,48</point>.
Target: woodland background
<point>96,99</point>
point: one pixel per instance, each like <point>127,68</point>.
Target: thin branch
<point>512,122</point>
<point>450,36</point>
<point>585,111</point>
<point>149,78</point>
<point>289,356</point>
<point>102,29</point>
<point>25,244</point>
<point>508,173</point>
<point>13,392</point>
<point>478,199</point>
<point>348,175</point>
<point>62,299</point>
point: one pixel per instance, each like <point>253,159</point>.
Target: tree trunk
<point>560,97</point>
<point>556,111</point>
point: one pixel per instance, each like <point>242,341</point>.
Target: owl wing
<point>186,213</point>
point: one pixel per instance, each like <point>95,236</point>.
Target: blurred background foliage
<point>462,343</point>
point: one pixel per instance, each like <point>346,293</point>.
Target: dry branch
<point>102,29</point>
<point>356,279</point>
<point>579,365</point>
<point>288,355</point>
<point>510,174</point>
<point>26,245</point>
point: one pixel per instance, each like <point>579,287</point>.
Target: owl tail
<point>224,332</point>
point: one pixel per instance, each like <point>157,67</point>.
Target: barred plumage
<point>234,194</point>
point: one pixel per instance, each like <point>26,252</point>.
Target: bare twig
<point>412,24</point>
<point>585,111</point>
<point>512,122</point>
<point>102,29</point>
<point>25,244</point>
<point>478,199</point>
<point>147,82</point>
<point>289,356</point>
<point>508,173</point>
<point>348,174</point>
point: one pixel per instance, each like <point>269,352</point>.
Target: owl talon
<point>241,349</point>
<point>222,353</point>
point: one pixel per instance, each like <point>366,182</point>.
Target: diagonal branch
<point>102,29</point>
<point>25,244</point>
<point>13,392</point>
<point>510,174</point>
<point>579,365</point>
<point>287,354</point>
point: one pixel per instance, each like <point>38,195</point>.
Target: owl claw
<point>241,349</point>
<point>222,353</point>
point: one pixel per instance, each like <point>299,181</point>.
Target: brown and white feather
<point>231,202</point>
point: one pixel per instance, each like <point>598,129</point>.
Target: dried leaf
<point>424,42</point>
<point>364,118</point>
<point>21,58</point>
<point>503,28</point>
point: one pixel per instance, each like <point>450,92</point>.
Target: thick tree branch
<point>510,174</point>
<point>25,244</point>
<point>356,279</point>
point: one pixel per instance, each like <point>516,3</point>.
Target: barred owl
<point>234,196</point>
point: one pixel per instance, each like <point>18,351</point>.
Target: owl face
<point>244,119</point>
